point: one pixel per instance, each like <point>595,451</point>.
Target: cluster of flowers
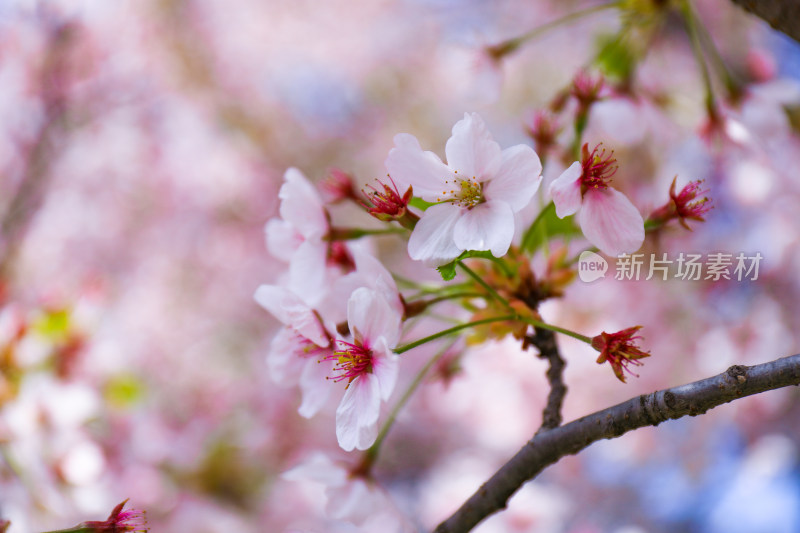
<point>341,309</point>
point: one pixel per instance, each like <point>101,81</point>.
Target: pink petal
<point>357,414</point>
<point>566,191</point>
<point>315,387</point>
<point>517,179</point>
<point>487,226</point>
<point>471,150</point>
<point>319,468</point>
<point>353,502</point>
<point>408,166</point>
<point>375,276</point>
<point>282,239</point>
<point>302,206</point>
<point>385,367</point>
<point>611,222</point>
<point>283,364</point>
<point>370,316</point>
<point>308,272</point>
<point>291,311</point>
<point>432,238</point>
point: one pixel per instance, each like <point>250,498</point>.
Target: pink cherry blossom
<point>298,236</point>
<point>368,365</point>
<point>295,360</point>
<point>477,193</point>
<point>607,218</point>
<point>351,496</point>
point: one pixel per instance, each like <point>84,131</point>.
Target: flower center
<point>306,349</point>
<point>598,168</point>
<point>352,360</point>
<point>465,193</point>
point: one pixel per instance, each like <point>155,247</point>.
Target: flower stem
<point>482,283</point>
<point>348,234</point>
<point>372,453</point>
<point>691,29</point>
<point>508,46</point>
<point>530,233</point>
<point>454,329</point>
<point>563,331</point>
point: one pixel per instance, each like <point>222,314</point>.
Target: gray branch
<point>783,15</point>
<point>547,447</point>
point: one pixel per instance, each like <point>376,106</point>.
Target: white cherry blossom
<point>477,193</point>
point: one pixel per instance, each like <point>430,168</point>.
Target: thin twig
<point>547,447</point>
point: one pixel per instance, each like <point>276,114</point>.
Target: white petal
<point>370,316</point>
<point>320,468</point>
<point>308,272</point>
<point>301,205</point>
<point>291,311</point>
<point>353,502</point>
<point>408,166</point>
<point>357,415</point>
<point>487,226</point>
<point>517,179</point>
<point>471,150</point>
<point>385,366</point>
<point>282,239</point>
<point>432,238</point>
<point>566,190</point>
<point>611,222</point>
<point>374,274</point>
<point>283,362</point>
<point>315,387</point>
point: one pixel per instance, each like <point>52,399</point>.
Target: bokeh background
<point>142,145</point>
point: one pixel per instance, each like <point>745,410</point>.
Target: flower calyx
<point>620,350</point>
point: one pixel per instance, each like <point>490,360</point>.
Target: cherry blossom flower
<point>369,273</point>
<point>477,193</point>
<point>298,236</point>
<point>351,496</point>
<point>367,364</point>
<point>388,205</point>
<point>620,350</point>
<point>684,205</point>
<point>295,360</point>
<point>132,520</point>
<point>607,218</point>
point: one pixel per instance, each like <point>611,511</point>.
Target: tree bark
<point>783,15</point>
<point>547,447</point>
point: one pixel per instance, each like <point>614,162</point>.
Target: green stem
<point>506,47</point>
<point>454,329</point>
<point>446,297</point>
<point>731,84</point>
<point>485,285</point>
<point>372,453</point>
<point>348,234</point>
<point>530,233</point>
<point>563,331</point>
<point>697,49</point>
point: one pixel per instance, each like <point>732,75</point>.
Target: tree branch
<point>547,447</point>
<point>782,15</point>
<point>545,341</point>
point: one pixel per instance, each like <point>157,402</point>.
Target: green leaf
<point>448,271</point>
<point>419,203</point>
<point>546,226</point>
<point>615,57</point>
